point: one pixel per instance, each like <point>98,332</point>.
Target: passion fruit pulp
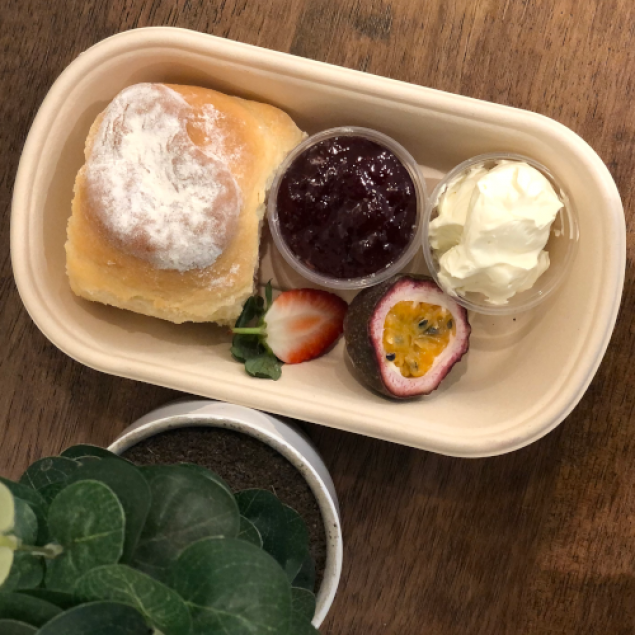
<point>404,335</point>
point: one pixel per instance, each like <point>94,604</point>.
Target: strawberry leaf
<point>254,308</point>
<point>250,348</point>
<point>269,295</point>
<point>265,366</point>
<point>245,347</point>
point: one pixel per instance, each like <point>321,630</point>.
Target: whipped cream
<point>491,230</point>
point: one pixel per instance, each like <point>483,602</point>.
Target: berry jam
<point>347,207</point>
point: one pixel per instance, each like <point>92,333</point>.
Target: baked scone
<point>168,206</point>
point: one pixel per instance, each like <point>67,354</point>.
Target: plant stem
<point>49,551</point>
<point>9,541</point>
<point>254,330</point>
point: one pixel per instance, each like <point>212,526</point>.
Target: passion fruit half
<point>404,335</point>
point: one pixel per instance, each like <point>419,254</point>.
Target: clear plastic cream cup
<point>561,245</point>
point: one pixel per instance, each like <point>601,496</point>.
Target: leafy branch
<point>93,542</point>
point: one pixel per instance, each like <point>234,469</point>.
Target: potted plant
<point>91,543</point>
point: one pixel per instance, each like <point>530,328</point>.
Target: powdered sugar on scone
<point>152,191</point>
<point>216,142</point>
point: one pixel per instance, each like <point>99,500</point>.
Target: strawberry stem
<point>256,330</point>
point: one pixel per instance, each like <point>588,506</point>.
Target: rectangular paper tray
<point>522,376</point>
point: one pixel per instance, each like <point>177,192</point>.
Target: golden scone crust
<point>256,139</point>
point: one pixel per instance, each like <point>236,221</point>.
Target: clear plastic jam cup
<point>410,247</point>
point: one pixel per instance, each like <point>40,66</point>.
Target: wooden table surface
<point>541,541</point>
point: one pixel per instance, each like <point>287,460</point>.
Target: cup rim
<point>421,193</point>
<point>567,216</point>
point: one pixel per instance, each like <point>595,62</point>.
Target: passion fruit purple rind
<point>364,332</point>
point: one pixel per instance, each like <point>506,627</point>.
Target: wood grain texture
<point>538,542</point>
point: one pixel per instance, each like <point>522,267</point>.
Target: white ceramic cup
<point>284,438</point>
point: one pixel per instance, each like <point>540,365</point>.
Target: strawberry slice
<point>300,324</point>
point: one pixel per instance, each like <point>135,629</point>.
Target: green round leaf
<point>87,519</point>
<point>6,562</point>
<point>297,545</point>
<point>130,487</point>
<point>7,509</point>
<point>49,470</point>
<point>24,492</point>
<point>249,532</point>
<point>233,587</point>
<point>266,512</point>
<point>13,627</point>
<point>49,492</point>
<point>301,626</point>
<point>208,473</point>
<point>27,572</point>
<point>186,506</point>
<point>162,607</point>
<point>97,618</point>
<point>24,608</point>
<point>35,501</point>
<point>64,601</point>
<point>303,603</point>
<point>284,533</point>
<point>83,449</point>
<point>82,460</point>
<point>306,576</point>
<point>25,523</point>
